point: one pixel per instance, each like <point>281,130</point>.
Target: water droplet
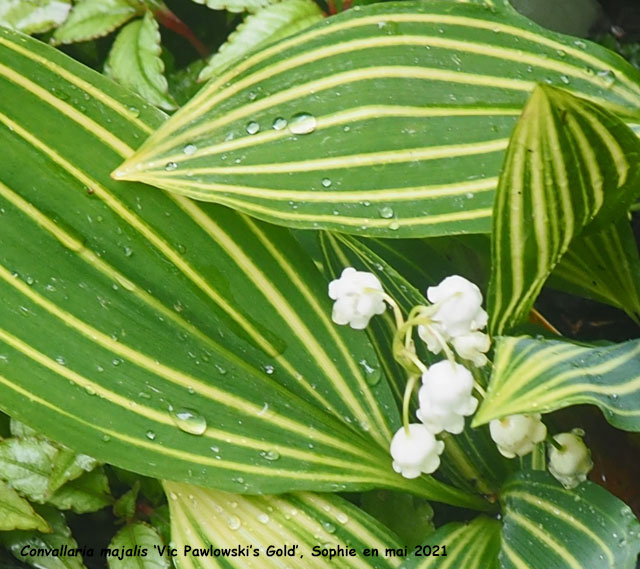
<point>386,212</point>
<point>329,527</point>
<point>269,369</point>
<point>150,435</point>
<point>90,390</point>
<point>302,123</point>
<point>106,438</point>
<point>234,522</point>
<point>190,149</point>
<point>270,454</point>
<point>394,225</point>
<point>128,252</point>
<point>125,283</point>
<point>170,166</point>
<point>134,112</point>
<point>189,421</point>
<point>580,44</point>
<point>326,182</point>
<point>607,76</point>
<point>263,518</point>
<point>252,127</point>
<point>61,361</point>
<point>342,518</point>
<point>279,123</point>
<point>564,79</point>
<point>561,52</point>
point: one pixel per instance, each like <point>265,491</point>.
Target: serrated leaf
<point>17,513</point>
<point>88,493</point>
<point>134,61</point>
<point>54,544</point>
<point>475,545</point>
<point>69,465</point>
<point>548,527</point>
<point>144,537</point>
<point>236,5</point>
<point>33,16</point>
<point>568,162</point>
<point>160,335</point>
<point>20,430</point>
<point>403,106</point>
<point>206,518</point>
<point>267,25</point>
<point>125,506</point>
<point>533,375</point>
<point>91,19</point>
<point>26,464</point>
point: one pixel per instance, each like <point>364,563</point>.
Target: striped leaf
<point>213,521</point>
<point>568,161</point>
<point>548,527</point>
<point>538,376</point>
<point>390,120</point>
<point>459,546</point>
<point>176,340</point>
<point>470,460</point>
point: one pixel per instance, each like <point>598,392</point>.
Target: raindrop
<point>90,390</point>
<point>125,283</point>
<point>220,369</point>
<point>106,438</point>
<point>150,435</point>
<point>302,123</point>
<point>329,527</point>
<point>61,361</point>
<point>607,76</point>
<point>279,123</point>
<point>234,522</point>
<point>128,252</point>
<point>342,518</point>
<point>170,166</point>
<point>394,225</point>
<point>386,212</point>
<point>269,369</point>
<point>190,149</point>
<point>252,127</point>
<point>561,52</point>
<point>263,518</point>
<point>564,79</point>
<point>189,421</point>
<point>326,182</point>
<point>270,454</point>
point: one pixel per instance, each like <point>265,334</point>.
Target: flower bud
<point>570,465</point>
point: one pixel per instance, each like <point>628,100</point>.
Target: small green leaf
<point>125,506</point>
<point>568,161</point>
<point>236,5</point>
<point>17,513</point>
<point>20,430</point>
<point>265,26</point>
<point>202,518</point>
<point>33,16</point>
<point>88,493</point>
<point>69,465</point>
<point>26,465</point>
<point>134,61</point>
<point>56,543</point>
<point>144,537</point>
<point>91,19</point>
<point>539,376</point>
<point>548,527</point>
<point>160,519</point>
<point>459,546</point>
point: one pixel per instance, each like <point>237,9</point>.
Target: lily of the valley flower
<point>517,435</point>
<point>445,397</point>
<point>570,464</point>
<point>416,451</point>
<point>358,295</point>
<point>472,347</point>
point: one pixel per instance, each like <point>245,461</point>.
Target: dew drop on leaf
<point>302,123</point>
<point>279,123</point>
<point>170,166</point>
<point>252,127</point>
<point>189,421</point>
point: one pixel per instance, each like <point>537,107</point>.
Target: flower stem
<point>406,401</point>
<point>555,443</point>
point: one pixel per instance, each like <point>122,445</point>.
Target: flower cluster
<point>451,325</point>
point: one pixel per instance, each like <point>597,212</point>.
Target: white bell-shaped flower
<point>517,435</point>
<point>472,347</point>
<point>415,452</point>
<point>358,296</point>
<point>459,306</point>
<point>570,465</point>
<point>445,397</point>
<point>433,335</point>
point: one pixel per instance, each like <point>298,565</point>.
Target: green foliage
<point>33,16</point>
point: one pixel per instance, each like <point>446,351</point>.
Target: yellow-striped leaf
<point>390,120</point>
<point>538,376</point>
<point>568,161</point>
<point>214,524</point>
<point>470,460</point>
<point>548,527</point>
<point>176,340</point>
<point>459,546</point>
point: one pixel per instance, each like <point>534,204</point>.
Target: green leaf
<point>267,25</point>
<point>236,5</point>
<point>33,16</point>
<point>26,464</point>
<point>548,527</point>
<point>17,513</point>
<point>173,339</point>
<point>459,546</point>
<point>134,61</point>
<point>91,19</point>
<point>207,518</point>
<point>144,537</point>
<point>88,493</point>
<point>568,161</point>
<point>125,506</point>
<point>69,465</point>
<point>604,266</point>
<point>391,120</point>
<point>540,376</point>
<point>57,543</point>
